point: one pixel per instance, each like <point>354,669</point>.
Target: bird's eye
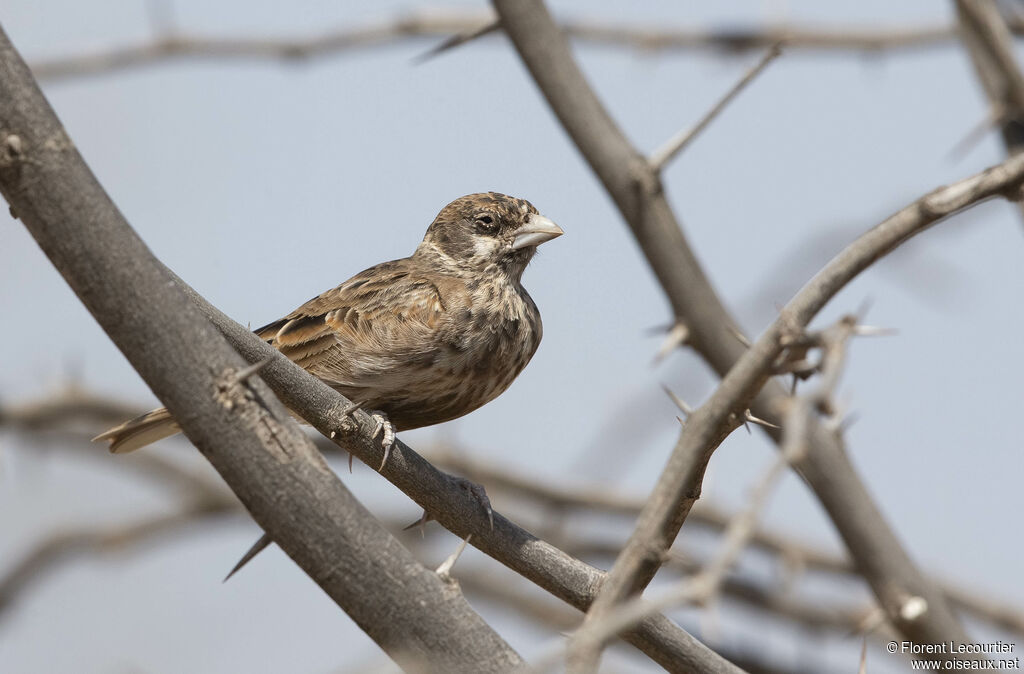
<point>484,222</point>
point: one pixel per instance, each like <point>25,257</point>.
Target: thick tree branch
<point>237,424</point>
<point>637,192</point>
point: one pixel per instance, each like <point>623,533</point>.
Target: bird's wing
<point>382,318</point>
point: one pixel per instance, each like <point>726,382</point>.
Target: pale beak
<point>536,231</point>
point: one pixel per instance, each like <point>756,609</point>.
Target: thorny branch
<point>171,44</point>
<point>77,415</point>
<point>447,501</point>
<point>679,485</point>
<point>637,192</point>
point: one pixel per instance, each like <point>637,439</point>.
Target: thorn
<point>873,331</point>
<point>349,462</point>
<point>680,403</point>
<point>256,549</point>
<point>457,41</point>
<point>681,421</point>
<point>446,566</point>
<point>657,330</point>
<point>738,334</point>
<point>479,494</point>
<point>675,338</point>
<point>870,622</point>
<point>421,523</point>
<point>675,145</point>
<point>847,421</point>
<point>757,420</point>
<point>247,372</point>
<point>995,117</point>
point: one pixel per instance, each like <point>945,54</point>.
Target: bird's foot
<point>385,429</point>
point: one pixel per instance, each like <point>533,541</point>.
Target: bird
<point>420,340</point>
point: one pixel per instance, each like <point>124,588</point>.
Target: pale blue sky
<point>263,184</point>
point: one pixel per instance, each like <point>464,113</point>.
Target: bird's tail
<point>140,431</point>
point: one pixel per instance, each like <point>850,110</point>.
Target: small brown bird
<point>421,340</point>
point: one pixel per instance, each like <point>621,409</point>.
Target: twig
<point>700,588</point>
<point>678,143</point>
<point>63,546</point>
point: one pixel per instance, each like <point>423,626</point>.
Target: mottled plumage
<point>424,339</point>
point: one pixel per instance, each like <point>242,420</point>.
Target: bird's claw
<point>387,430</point>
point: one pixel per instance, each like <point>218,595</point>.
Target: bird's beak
<point>536,231</point>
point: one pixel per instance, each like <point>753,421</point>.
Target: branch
<point>453,25</point>
<point>446,500</point>
<point>62,547</point>
<point>679,484</point>
<point>72,407</point>
<point>638,194</point>
<point>585,645</point>
<point>677,144</point>
<point>989,43</point>
<point>236,423</point>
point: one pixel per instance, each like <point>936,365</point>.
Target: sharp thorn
<point>759,421</point>
<point>256,549</point>
<point>249,371</point>
<point>457,41</point>
<point>680,403</point>
<point>446,566</point>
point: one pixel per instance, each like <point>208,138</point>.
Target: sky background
<point>263,184</point>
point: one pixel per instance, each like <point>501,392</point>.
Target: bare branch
<point>445,499</point>
<point>456,27</point>
<point>989,43</point>
<point>585,645</point>
<point>62,547</point>
<point>678,143</point>
<point>679,484</point>
<point>94,412</point>
<point>640,198</point>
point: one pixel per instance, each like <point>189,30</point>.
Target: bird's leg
<point>387,429</point>
<point>349,410</point>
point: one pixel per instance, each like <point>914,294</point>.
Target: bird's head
<point>478,231</point>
